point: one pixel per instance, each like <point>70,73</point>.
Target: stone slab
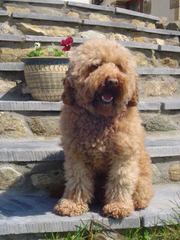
<point>45,17</point>
<point>56,2</point>
<point>169,48</point>
<point>163,207</point>
<point>158,31</point>
<point>23,213</point>
<point>131,44</point>
<point>128,44</point>
<point>136,14</point>
<point>30,106</point>
<point>25,150</point>
<point>19,66</point>
<point>12,38</point>
<point>3,13</point>
<point>109,24</point>
<point>171,104</point>
<point>34,38</point>
<point>158,71</point>
<point>57,106</point>
<point>91,6</point>
<point>11,66</point>
<point>149,105</point>
<point>164,151</point>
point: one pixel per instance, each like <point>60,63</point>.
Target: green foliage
<point>169,231</point>
<point>35,53</point>
<point>57,52</point>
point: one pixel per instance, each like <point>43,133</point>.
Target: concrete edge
<point>144,105</point>
<point>79,40</point>
<point>53,2</point>
<point>41,219</point>
<point>45,17</point>
<point>3,13</point>
<point>50,150</point>
<point>136,14</point>
<point>19,66</point>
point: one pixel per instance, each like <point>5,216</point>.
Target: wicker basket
<point>44,77</point>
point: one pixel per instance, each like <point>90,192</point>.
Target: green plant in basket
<point>52,51</point>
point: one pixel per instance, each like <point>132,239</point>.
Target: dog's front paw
<point>117,209</point>
<point>67,207</point>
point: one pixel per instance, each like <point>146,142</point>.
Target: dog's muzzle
<point>107,93</point>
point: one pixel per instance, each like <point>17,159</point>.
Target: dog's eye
<point>120,68</point>
<point>93,67</point>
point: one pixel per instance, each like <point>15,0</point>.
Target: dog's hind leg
<point>79,188</point>
<point>144,191</point>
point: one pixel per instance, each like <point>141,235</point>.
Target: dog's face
<point>101,78</point>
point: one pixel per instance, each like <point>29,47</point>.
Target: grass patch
<point>98,231</point>
<point>85,233</point>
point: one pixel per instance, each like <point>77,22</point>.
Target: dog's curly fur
<point>103,137</point>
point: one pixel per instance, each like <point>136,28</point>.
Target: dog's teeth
<point>107,100</point>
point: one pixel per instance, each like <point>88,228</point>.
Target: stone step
<point>91,7</point>
<point>88,22</point>
<point>78,40</point>
<point>27,214</point>
<point>34,150</point>
<point>19,66</point>
<point>149,104</point>
<point>3,13</point>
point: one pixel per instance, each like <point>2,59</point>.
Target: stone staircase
<point>30,155</point>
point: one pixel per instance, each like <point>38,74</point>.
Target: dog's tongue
<point>107,98</point>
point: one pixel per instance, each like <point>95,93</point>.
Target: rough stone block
<point>9,177</point>
<point>53,31</point>
<point>158,122</point>
<point>51,181</point>
<point>6,28</point>
<point>13,125</point>
<point>90,34</point>
<point>174,172</point>
<point>99,17</point>
<point>158,86</point>
<point>6,86</point>
<point>44,126</point>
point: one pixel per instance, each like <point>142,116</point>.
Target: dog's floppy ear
<point>135,98</point>
<point>68,93</point>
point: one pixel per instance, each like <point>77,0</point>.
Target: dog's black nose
<point>112,82</point>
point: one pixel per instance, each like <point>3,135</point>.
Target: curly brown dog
<point>102,132</point>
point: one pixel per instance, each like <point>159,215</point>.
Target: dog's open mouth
<point>107,98</point>
<point>107,94</point>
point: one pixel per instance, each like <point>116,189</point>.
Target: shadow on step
<point>37,191</point>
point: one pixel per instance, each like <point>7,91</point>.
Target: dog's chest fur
<point>96,139</point>
<point>92,137</point>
